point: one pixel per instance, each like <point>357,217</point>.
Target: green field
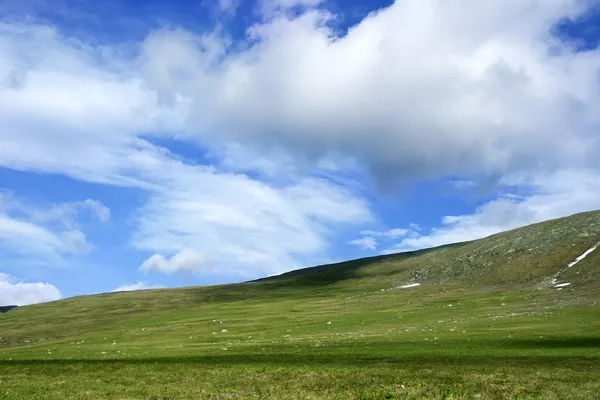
<point>486,322</point>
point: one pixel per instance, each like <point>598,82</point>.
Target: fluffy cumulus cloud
<point>14,292</point>
<point>421,88</point>
<point>141,285</point>
<point>186,261</point>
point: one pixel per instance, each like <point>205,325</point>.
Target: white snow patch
<point>584,255</point>
<point>560,285</point>
<point>409,286</point>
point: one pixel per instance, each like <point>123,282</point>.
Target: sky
<point>197,142</point>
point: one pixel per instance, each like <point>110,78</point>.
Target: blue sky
<point>163,144</point>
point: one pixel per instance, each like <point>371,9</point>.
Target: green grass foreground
<point>336,332</point>
<point>379,345</point>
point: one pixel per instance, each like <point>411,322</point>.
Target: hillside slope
<point>527,257</point>
<point>511,296</point>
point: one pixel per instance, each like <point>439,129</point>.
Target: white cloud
<point>243,225</point>
<point>550,196</point>
<point>66,114</point>
<point>64,214</point>
<point>44,234</point>
<point>141,285</point>
<point>100,210</point>
<point>186,261</point>
<point>26,238</point>
<point>414,227</point>
<point>390,233</point>
<point>418,88</point>
<point>228,6</point>
<point>367,243</point>
<point>13,292</point>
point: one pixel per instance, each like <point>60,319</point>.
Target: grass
<point>336,332</point>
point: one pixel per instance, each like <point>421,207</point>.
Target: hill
<point>501,317</point>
